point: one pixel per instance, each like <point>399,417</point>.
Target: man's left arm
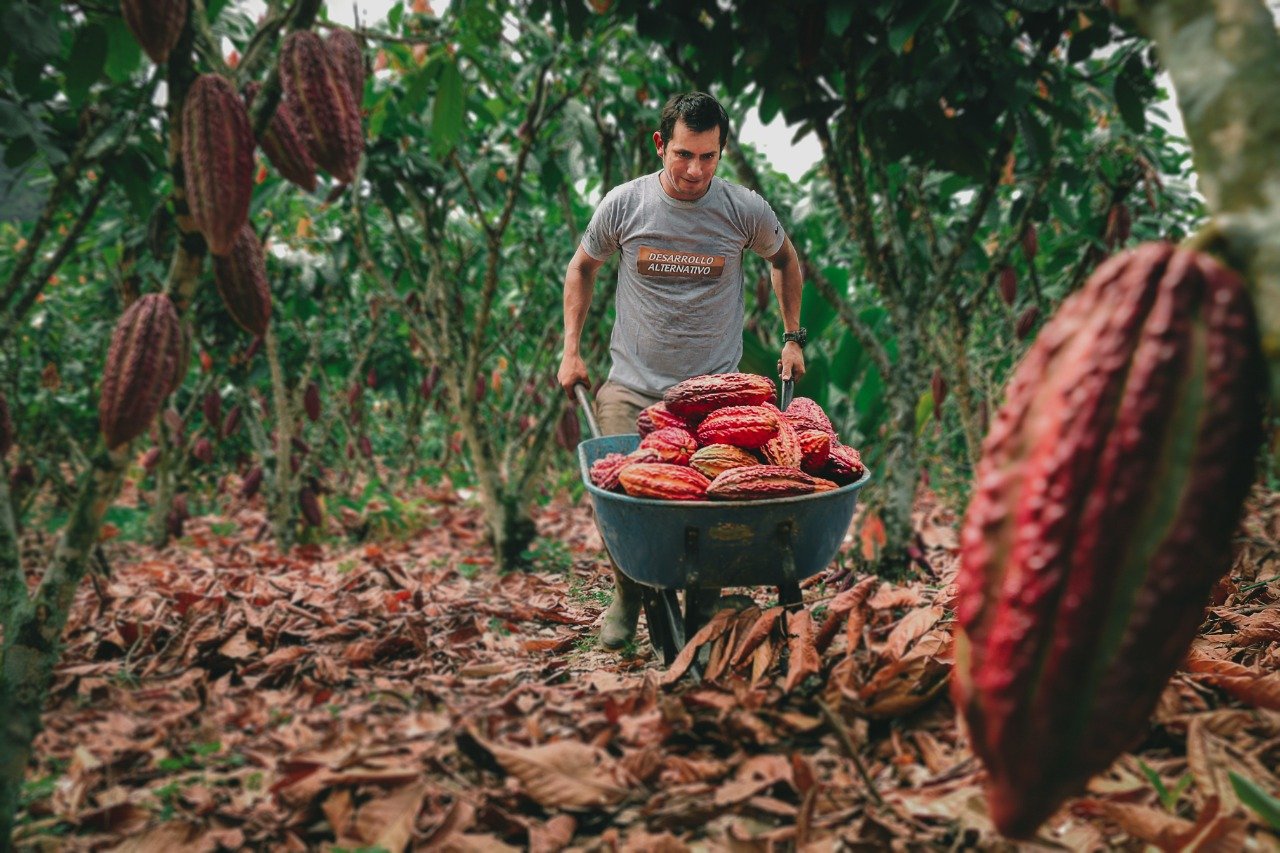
<point>788,282</point>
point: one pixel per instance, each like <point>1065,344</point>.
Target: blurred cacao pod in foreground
<point>1109,489</point>
<point>217,160</point>
<point>141,363</point>
<point>156,24</point>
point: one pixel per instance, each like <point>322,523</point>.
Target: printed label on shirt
<point>677,264</point>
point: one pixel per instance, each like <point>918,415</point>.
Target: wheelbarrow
<point>701,547</point>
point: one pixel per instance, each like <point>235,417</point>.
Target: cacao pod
<point>366,447</point>
<point>804,413</point>
<point>251,483</point>
<point>241,278</point>
<point>212,408</point>
<point>757,482</point>
<point>310,506</point>
<point>815,450</point>
<point>1104,504</point>
<point>176,520</point>
<point>568,429</point>
<point>938,388</point>
<point>605,470</point>
<point>347,58</point>
<point>1008,285</point>
<point>784,448</point>
<point>701,395</point>
<point>823,485</point>
<point>141,362</point>
<point>217,160</point>
<point>656,417</point>
<point>155,24</point>
<point>1026,321</point>
<point>202,450</point>
<point>299,444</point>
<point>643,454</point>
<point>311,402</point>
<point>430,381</point>
<point>1030,243</point>
<point>232,422</point>
<point>672,444</point>
<point>321,100</point>
<point>844,464</point>
<point>284,144</point>
<point>715,459</point>
<point>663,480</point>
<point>150,459</point>
<point>6,427</point>
<point>1119,224</point>
<point>371,378</point>
<point>741,426</point>
<point>22,477</point>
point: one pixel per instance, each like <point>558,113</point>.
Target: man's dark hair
<point>698,110</point>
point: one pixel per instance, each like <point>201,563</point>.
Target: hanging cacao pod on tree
<point>141,363</point>
<point>1008,285</point>
<point>217,160</point>
<point>156,24</point>
<point>1104,505</point>
<point>311,402</point>
<point>347,58</point>
<point>241,279</point>
<point>284,144</point>
<point>320,98</point>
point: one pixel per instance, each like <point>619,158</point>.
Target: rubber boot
<point>619,625</point>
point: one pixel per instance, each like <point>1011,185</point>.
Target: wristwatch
<point>800,336</point>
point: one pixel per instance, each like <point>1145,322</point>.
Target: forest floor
<point>400,694</point>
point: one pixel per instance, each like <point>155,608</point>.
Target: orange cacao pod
<point>844,465</point>
<point>657,417</point>
<point>741,426</point>
<point>672,444</point>
<point>141,363</point>
<point>605,470</point>
<point>663,480</point>
<point>156,24</point>
<point>284,144</point>
<point>217,160</point>
<point>241,278</point>
<point>714,459</point>
<point>815,449</point>
<point>784,448</point>
<point>757,482</point>
<point>701,395</point>
<point>821,484</point>
<point>321,100</point>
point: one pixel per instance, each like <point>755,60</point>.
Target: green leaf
<point>756,357</point>
<point>447,114</point>
<point>33,30</point>
<point>924,411</point>
<point>839,16</point>
<point>88,56</point>
<point>123,52</point>
<point>1249,792</point>
<point>816,313</point>
<point>1130,104</point>
<point>816,382</point>
<point>848,361</point>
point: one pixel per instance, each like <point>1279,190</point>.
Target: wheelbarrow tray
<point>713,544</point>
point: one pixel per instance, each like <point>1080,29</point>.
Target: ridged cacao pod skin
<point>657,417</point>
<point>605,470</point>
<point>156,24</point>
<point>844,464</point>
<point>241,278</point>
<point>804,413</point>
<point>320,99</point>
<point>741,426</point>
<point>715,459</point>
<point>141,363</point>
<point>784,448</point>
<point>347,58</point>
<point>672,444</point>
<point>1109,488</point>
<point>757,482</point>
<point>217,160</point>
<point>284,143</point>
<point>701,395</point>
<point>815,450</point>
<point>663,480</point>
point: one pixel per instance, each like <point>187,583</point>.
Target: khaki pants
<point>617,408</point>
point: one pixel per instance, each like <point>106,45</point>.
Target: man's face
<point>689,160</point>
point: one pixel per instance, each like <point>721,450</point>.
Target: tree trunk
<point>284,491</point>
<point>165,483</point>
<point>512,530</point>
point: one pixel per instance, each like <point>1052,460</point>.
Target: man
<point>680,295</point>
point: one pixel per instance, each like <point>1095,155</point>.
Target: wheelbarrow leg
<point>789,595</point>
<point>666,628</point>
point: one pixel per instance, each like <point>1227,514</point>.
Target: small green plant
<point>499,627</point>
<point>586,643</point>
<point>223,528</point>
<point>548,555</point>
<point>468,570</point>
<point>1168,796</point>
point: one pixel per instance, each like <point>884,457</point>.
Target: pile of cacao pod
<point>720,437</point>
<point>1109,489</point>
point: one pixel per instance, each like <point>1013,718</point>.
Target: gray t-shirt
<point>680,297</point>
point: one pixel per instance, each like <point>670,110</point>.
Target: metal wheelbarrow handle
<point>583,397</point>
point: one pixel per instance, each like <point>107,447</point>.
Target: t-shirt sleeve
<point>600,240</point>
<point>766,236</point>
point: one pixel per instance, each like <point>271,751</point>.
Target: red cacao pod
<point>815,450</point>
<point>252,483</point>
<point>202,450</point>
<point>844,464</point>
<point>804,413</point>
<point>311,401</point>
<point>232,422</point>
<point>715,459</point>
<point>758,482</point>
<point>241,277</point>
<point>656,417</point>
<point>212,408</point>
<point>179,513</point>
<point>299,445</point>
<point>1119,225</point>
<point>347,58</point>
<point>1030,243</point>
<point>568,429</point>
<point>1026,321</point>
<point>663,480</point>
<point>217,160</point>
<point>1008,285</point>
<point>284,144</point>
<point>605,470</point>
<point>366,447</point>
<point>156,24</point>
<point>672,444</point>
<point>141,362</point>
<point>430,381</point>
<point>938,388</point>
<point>741,426</point>
<point>150,459</point>
<point>1104,504</point>
<point>321,100</point>
<point>371,378</point>
<point>309,504</point>
<point>784,448</point>
<point>701,395</point>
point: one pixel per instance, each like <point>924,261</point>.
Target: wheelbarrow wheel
<point>666,627</point>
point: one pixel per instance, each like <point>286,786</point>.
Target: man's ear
<point>657,141</point>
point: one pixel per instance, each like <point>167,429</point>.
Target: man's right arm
<point>579,282</point>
